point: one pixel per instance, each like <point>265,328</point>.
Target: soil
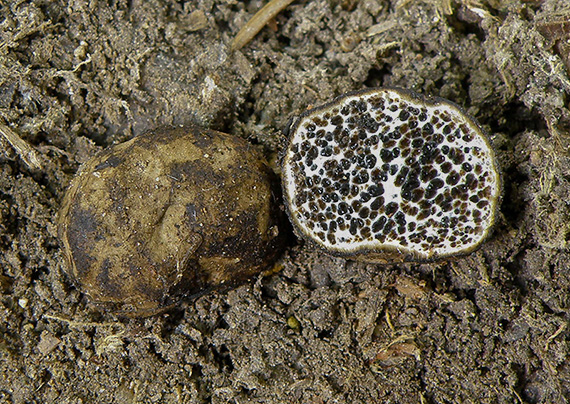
<point>491,327</point>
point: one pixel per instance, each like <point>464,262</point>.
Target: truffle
<point>171,213</point>
<point>386,175</point>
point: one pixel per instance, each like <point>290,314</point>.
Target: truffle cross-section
<point>387,175</point>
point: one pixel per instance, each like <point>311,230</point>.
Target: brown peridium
<point>171,213</point>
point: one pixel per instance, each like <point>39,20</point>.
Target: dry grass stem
<point>257,22</point>
<point>26,152</point>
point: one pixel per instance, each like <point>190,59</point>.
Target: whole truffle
<point>386,175</point>
<point>167,214</point>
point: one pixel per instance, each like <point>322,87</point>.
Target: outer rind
<point>385,254</point>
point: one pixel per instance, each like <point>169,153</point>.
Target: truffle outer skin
<point>171,213</point>
<point>386,254</point>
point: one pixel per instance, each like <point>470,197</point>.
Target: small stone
<point>293,323</point>
<point>48,342</point>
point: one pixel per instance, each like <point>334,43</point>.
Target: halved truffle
<point>387,175</point>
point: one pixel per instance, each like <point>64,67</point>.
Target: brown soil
<point>492,327</point>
